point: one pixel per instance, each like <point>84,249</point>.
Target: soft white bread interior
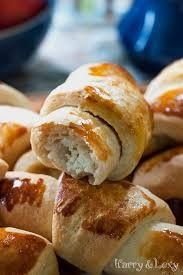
<point>22,252</point>
<point>78,143</point>
<point>110,95</point>
<point>15,126</point>
<point>12,97</point>
<point>28,162</point>
<point>27,201</point>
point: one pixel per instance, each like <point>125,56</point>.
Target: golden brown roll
<point>15,126</point>
<point>12,97</point>
<point>28,162</point>
<point>165,96</point>
<point>96,124</point>
<point>163,174</point>
<point>25,253</point>
<point>91,224</point>
<point>154,249</point>
<point>27,201</point>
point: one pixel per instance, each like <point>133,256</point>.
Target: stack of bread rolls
<point>71,190</point>
<point>21,252</point>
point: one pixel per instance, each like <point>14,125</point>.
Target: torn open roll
<point>96,124</point>
<point>77,141</point>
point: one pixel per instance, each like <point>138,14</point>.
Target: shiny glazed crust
<point>27,201</point>
<point>91,223</point>
<point>99,138</point>
<point>23,252</point>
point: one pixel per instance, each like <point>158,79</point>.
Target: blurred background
<point>42,41</point>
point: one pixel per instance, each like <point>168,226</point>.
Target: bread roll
<point>12,97</point>
<point>154,249</point>
<point>15,126</point>
<point>163,174</point>
<point>98,109</point>
<point>91,224</point>
<point>28,162</point>
<point>27,201</point>
<point>25,253</point>
<point>165,96</point>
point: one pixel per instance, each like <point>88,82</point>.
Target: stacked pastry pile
<point>21,252</point>
<point>95,128</point>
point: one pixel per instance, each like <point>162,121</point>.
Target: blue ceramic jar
<point>152,32</point>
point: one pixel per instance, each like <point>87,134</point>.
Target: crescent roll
<point>165,96</point>
<point>96,124</point>
<point>15,126</point>
<point>25,253</point>
<point>27,202</point>
<point>78,142</point>
<point>28,162</point>
<point>12,97</point>
<point>91,224</point>
<point>162,174</point>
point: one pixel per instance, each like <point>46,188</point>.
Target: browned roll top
<point>23,251</point>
